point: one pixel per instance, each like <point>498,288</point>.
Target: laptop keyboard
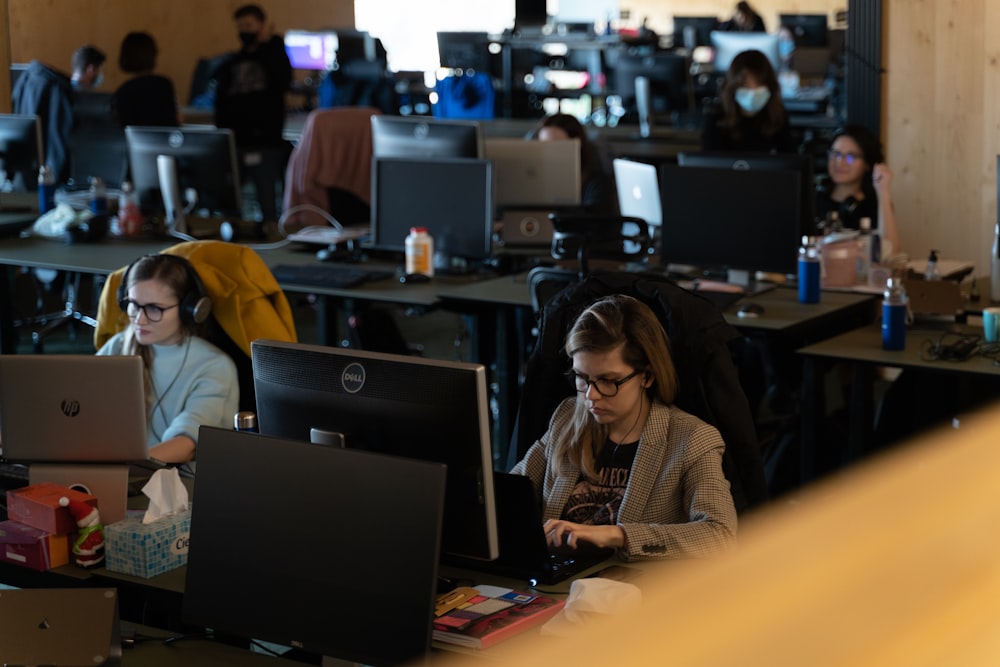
<point>327,275</point>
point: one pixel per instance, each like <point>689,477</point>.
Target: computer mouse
<point>414,278</point>
<point>750,309</point>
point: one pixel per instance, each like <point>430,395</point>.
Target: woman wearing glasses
<point>189,381</point>
<point>620,466</point>
<point>858,185</point>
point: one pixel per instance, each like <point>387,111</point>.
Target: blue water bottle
<point>894,305</point>
<point>809,270</point>
<point>46,189</point>
<point>98,196</point>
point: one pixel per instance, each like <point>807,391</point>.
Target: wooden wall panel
<point>185,30</point>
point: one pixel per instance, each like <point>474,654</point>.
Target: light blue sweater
<point>195,385</point>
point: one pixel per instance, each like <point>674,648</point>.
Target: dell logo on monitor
<point>70,407</point>
<point>421,130</point>
<point>353,378</point>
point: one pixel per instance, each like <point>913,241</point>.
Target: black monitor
<point>668,78</point>
<point>313,51</point>
<point>718,219</point>
<point>808,29</point>
<point>407,406</point>
<point>727,45</point>
<point>333,552</point>
<point>452,198</point>
<point>206,167</point>
<point>400,136</point>
<point>692,31</point>
<point>803,164</point>
<point>464,50</point>
<point>20,152</point>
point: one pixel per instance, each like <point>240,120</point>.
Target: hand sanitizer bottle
<point>932,272</point>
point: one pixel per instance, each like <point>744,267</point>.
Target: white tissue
<point>588,600</point>
<point>167,495</point>
<point>52,225</point>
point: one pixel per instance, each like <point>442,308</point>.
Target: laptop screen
<point>72,408</point>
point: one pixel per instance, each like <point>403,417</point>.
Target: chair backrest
<point>703,345</point>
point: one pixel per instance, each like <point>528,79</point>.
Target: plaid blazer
<point>677,502</point>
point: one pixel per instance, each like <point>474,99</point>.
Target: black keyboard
<point>327,275</point>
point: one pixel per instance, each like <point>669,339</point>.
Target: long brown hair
<point>773,114</point>
<point>615,322</point>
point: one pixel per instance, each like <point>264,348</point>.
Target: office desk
<point>862,350</point>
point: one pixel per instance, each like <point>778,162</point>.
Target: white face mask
<point>752,100</point>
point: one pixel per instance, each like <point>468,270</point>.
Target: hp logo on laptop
<point>353,378</point>
<point>70,407</point>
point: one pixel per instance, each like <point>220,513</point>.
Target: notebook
<point>524,552</point>
<point>59,626</point>
<point>71,408</point>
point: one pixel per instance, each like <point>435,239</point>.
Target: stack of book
<point>490,614</point>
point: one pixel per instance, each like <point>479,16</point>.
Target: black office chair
<point>704,347</point>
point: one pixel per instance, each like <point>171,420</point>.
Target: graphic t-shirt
<point>597,503</point>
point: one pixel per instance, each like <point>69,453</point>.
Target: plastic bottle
<point>894,305</point>
<point>864,260</point>
<point>809,266</point>
<point>932,272</point>
<point>419,252</point>
<point>98,196</point>
<point>129,216</point>
<point>245,421</point>
<point>995,265</point>
<point>46,189</point>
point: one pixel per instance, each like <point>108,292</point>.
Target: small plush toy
<point>88,547</point>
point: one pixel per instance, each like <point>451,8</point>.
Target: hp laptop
<point>524,552</point>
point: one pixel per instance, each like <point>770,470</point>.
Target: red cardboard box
<point>31,547</point>
<point>38,506</point>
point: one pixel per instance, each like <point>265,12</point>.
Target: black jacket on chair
<point>702,343</point>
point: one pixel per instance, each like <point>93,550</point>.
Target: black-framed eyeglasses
<point>153,312</point>
<point>604,387</point>
<point>848,158</point>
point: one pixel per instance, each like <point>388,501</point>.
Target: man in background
<point>49,94</point>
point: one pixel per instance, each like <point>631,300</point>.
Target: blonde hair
<point>615,322</point>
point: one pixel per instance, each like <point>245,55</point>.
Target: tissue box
<point>146,550</point>
<point>31,547</point>
<point>38,506</point>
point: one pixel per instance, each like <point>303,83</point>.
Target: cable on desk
<point>951,347</point>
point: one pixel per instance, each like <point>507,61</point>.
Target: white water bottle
<point>419,252</point>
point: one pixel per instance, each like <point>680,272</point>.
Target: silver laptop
<point>535,173</point>
<point>638,190</point>
<point>69,408</point>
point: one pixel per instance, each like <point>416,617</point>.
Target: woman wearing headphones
<point>189,381</point>
<point>858,185</point>
<point>620,466</point>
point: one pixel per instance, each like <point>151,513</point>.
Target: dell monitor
<point>331,551</point>
<point>452,198</point>
<point>205,166</point>
<point>535,173</point>
<point>465,51</point>
<point>315,51</point>
<point>802,164</point>
<point>727,45</point>
<point>809,30</point>
<point>669,82</point>
<point>748,221</point>
<point>391,404</point>
<point>399,136</point>
<point>20,152</point>
<point>693,31</point>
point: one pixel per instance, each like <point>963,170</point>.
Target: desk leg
<point>861,420</point>
<point>812,413</point>
<point>8,343</point>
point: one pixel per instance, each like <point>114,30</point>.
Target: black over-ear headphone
<point>194,307</point>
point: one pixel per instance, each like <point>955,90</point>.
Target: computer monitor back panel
<point>346,566</point>
<point>452,198</point>
<point>427,409</point>
<point>425,138</point>
<point>729,219</point>
<point>72,408</point>
<point>535,173</point>
<point>728,45</point>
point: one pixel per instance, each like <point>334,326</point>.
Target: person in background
<point>49,94</point>
<point>146,98</point>
<point>858,185</point>
<point>620,466</point>
<point>745,19</point>
<point>597,194</point>
<point>750,116</point>
<point>189,382</point>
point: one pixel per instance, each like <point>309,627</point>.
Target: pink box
<point>31,547</point>
<point>38,506</point>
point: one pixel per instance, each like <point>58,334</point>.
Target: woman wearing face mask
<point>750,117</point>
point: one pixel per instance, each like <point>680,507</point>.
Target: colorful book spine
<point>487,619</point>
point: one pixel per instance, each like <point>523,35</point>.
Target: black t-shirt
<point>597,503</point>
<point>250,93</point>
<point>748,137</point>
<point>146,100</point>
<point>850,211</point>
